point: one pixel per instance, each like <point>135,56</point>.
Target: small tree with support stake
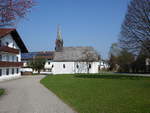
<point>37,64</point>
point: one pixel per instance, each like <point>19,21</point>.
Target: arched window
<point>64,66</point>
<point>52,66</point>
<point>89,66</point>
<point>77,66</point>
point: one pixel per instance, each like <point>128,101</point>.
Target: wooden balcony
<point>10,64</point>
<point>9,50</point>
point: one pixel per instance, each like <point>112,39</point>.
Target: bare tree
<point>89,57</point>
<point>12,10</point>
<point>135,31</point>
<point>114,52</point>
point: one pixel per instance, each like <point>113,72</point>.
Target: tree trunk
<point>38,71</point>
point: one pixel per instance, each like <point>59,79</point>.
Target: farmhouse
<point>66,60</point>
<point>11,47</point>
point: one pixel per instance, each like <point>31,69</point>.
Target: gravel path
<point>27,95</point>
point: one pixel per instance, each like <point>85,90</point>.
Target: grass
<point>102,93</point>
<point>2,92</point>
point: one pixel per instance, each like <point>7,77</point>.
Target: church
<point>66,60</point>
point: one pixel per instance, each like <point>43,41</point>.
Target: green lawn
<point>107,93</point>
<point>1,92</point>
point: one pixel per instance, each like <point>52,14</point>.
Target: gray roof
<point>76,54</point>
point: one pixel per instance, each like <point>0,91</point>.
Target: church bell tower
<point>59,40</point>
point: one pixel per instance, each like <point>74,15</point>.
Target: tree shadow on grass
<point>109,76</point>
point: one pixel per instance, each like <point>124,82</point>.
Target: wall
<point>71,67</point>
<point>12,58</point>
<point>82,67</point>
<point>10,76</point>
<point>53,67</point>
<point>12,44</point>
<point>63,67</point>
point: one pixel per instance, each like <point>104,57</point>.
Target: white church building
<point>11,47</point>
<point>66,60</point>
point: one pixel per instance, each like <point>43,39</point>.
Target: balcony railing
<point>10,64</point>
<point>9,50</point>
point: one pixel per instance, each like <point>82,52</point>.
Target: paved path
<point>27,95</point>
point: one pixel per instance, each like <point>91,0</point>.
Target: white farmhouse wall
<point>12,58</point>
<point>82,67</point>
<point>10,76</point>
<point>73,67</point>
<point>8,38</point>
<point>54,67</point>
<point>94,67</point>
<point>63,67</point>
<point>48,64</point>
<point>11,43</point>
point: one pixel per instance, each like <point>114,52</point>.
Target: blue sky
<point>83,23</point>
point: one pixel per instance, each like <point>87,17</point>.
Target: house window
<point>17,70</point>
<point>0,72</point>
<point>7,57</point>
<point>12,71</point>
<point>0,57</point>
<point>13,45</point>
<point>89,66</point>
<point>13,58</point>
<point>0,43</point>
<point>7,43</point>
<point>64,66</point>
<point>17,59</point>
<point>7,71</point>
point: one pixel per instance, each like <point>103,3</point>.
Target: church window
<point>89,66</point>
<point>77,66</point>
<point>64,66</point>
<point>52,66</point>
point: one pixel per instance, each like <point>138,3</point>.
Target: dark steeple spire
<point>59,40</point>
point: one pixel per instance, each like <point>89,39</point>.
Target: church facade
<point>67,60</point>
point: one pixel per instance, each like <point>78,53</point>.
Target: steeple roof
<point>59,35</point>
